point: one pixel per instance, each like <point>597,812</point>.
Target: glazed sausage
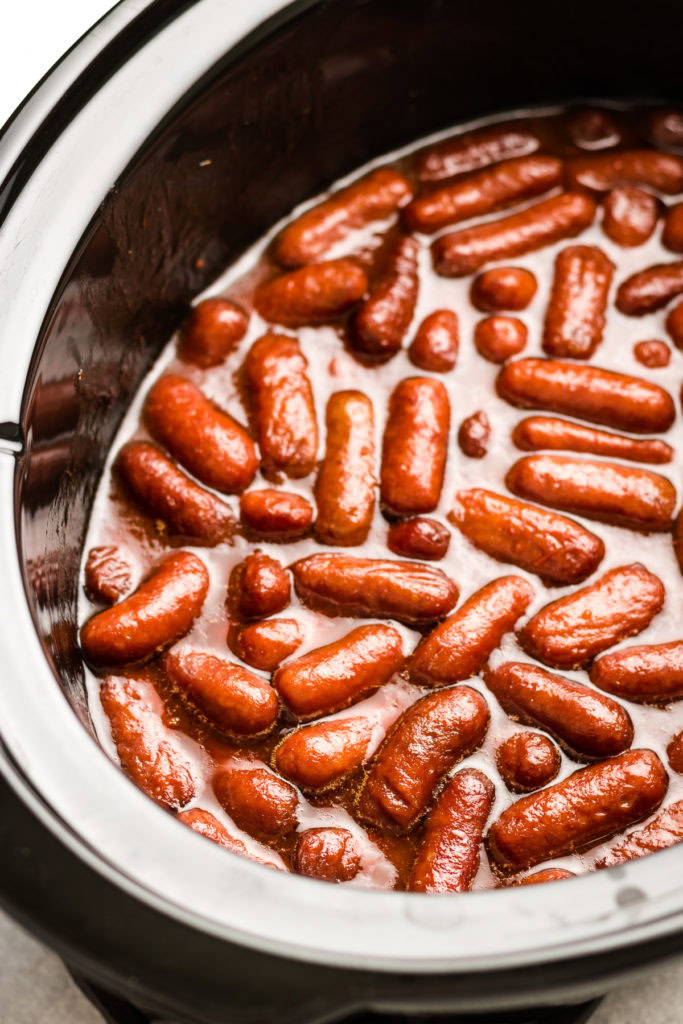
<point>472,150</point>
<point>546,875</point>
<point>630,216</point>
<point>557,549</point>
<point>235,700</point>
<point>167,494</point>
<point>665,128</point>
<point>265,645</point>
<point>160,611</point>
<point>311,295</point>
<point>345,488</point>
<point>381,321</point>
<point>591,128</point>
<point>647,674</point>
<point>612,493</point>
<point>373,197</point>
<point>322,755</point>
<point>677,537</point>
<point>206,824</point>
<point>652,354</point>
<point>662,832</point>
<point>419,538</point>
<point>257,800</point>
<point>414,446</point>
<point>498,338</point>
<point>203,439</point>
<point>509,182</point>
<point>473,435</point>
<point>588,393</point>
<point>594,803</point>
<point>436,342</point>
<point>107,574</point>
<point>329,854</point>
<point>674,325</point>
<point>503,288</point>
<point>570,632</point>
<point>674,752</point>
<point>427,740</point>
<point>605,171</point>
<point>149,752</point>
<point>460,646</point>
<point>527,761</point>
<point>212,331</point>
<point>575,318</point>
<point>258,586</point>
<point>374,588</point>
<point>459,253</point>
<point>587,724</point>
<point>340,673</point>
<point>275,515</point>
<point>538,432</point>
<point>650,289</point>
<point>448,857</point>
<point>282,406</point>
<point>672,232</point>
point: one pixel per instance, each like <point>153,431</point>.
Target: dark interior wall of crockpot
<point>319,91</point>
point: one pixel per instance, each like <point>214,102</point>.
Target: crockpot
<point>164,144</point>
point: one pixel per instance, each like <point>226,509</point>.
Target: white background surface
<point>34,988</point>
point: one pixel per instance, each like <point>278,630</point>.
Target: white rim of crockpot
<point>52,761</point>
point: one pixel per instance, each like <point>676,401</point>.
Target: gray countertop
<point>36,989</point>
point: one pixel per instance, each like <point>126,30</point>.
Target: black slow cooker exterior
<point>309,92</point>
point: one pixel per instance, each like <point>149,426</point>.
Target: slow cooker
<point>166,142</point>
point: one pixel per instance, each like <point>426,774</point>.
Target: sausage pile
<point>383,582</point>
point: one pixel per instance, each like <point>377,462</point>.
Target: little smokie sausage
<point>374,588</point>
<point>472,150</point>
<point>275,515</point>
<point>211,332</point>
<point>205,440</point>
<point>265,645</point>
<point>380,323</point>
<point>345,488</point>
<point>150,753</point>
<point>419,538</point>
<point>647,673</point>
<point>257,800</point>
<point>473,435</point>
<point>570,632</point>
<point>427,740</point>
<point>329,854</point>
<point>458,647</point>
<point>259,586</point>
<point>557,549</point>
<point>437,340</point>
<point>160,611</point>
<point>588,393</point>
<point>507,183</point>
<point>650,289</point>
<point>503,288</point>
<point>311,295</point>
<point>166,493</point>
<point>207,825</point>
<point>281,400</point>
<point>373,197</point>
<point>586,723</point>
<point>612,493</point>
<point>537,432</point>
<point>662,832</point>
<point>322,755</point>
<point>448,857</point>
<point>415,445</point>
<point>235,700</point>
<point>630,216</point>
<point>527,761</point>
<point>340,673</point>
<point>594,803</point>
<point>462,252</point>
<point>546,875</point>
<point>604,171</point>
<point>575,318</point>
